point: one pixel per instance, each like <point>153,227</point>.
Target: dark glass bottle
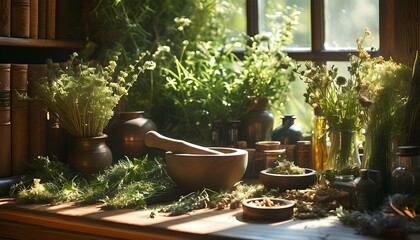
<point>288,132</point>
<point>365,191</point>
<point>233,130</point>
<point>217,133</point>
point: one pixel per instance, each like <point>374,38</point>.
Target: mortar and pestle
<point>194,167</point>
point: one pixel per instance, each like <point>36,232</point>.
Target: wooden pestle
<point>156,140</point>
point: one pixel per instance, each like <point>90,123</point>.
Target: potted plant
<point>266,71</point>
<point>82,96</point>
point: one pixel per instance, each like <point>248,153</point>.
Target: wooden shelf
<point>40,43</point>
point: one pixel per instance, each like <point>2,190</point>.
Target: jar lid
<point>304,142</point>
<point>408,150</point>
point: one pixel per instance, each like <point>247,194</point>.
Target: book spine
<point>19,118</point>
<point>5,128</point>
<point>51,16</point>
<point>33,22</point>
<point>5,17</point>
<point>37,113</point>
<point>56,139</point>
<point>20,18</point>
<point>42,19</point>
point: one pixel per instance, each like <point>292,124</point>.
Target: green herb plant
<point>83,96</point>
<point>126,184</point>
<point>266,69</point>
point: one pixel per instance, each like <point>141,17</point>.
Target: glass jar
<point>233,130</point>
<point>343,153</point>
<point>319,143</point>
<point>406,175</point>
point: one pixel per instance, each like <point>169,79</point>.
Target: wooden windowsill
<point>89,222</point>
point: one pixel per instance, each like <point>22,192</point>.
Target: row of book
<point>26,131</point>
<point>41,19</point>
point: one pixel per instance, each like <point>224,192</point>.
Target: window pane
<point>345,21</point>
<point>302,35</point>
<point>234,16</point>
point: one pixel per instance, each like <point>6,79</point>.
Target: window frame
<point>318,53</point>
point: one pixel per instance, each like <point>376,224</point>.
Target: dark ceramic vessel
<point>126,135</point>
<point>257,124</point>
<point>89,156</point>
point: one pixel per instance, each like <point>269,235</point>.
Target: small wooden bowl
<point>287,182</point>
<point>267,145</point>
<point>267,213</point>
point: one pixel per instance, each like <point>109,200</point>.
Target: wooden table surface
<point>67,221</point>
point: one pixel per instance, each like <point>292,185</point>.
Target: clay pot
<point>126,135</point>
<point>257,124</point>
<point>89,156</point>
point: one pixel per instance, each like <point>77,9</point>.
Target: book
<point>51,17</point>
<point>5,128</point>
<point>20,18</point>
<point>56,139</point>
<point>5,17</point>
<point>33,21</point>
<point>37,114</point>
<point>19,118</point>
<point>42,19</point>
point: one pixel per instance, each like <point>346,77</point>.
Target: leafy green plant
<point>50,181</point>
<point>266,69</point>
<point>83,96</point>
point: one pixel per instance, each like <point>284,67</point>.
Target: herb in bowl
<point>286,167</point>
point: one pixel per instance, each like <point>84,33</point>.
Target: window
<point>326,34</point>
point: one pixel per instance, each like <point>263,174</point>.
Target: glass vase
<point>379,153</point>
<point>343,153</point>
<point>319,143</point>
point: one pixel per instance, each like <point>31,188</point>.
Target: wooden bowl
<point>197,171</point>
<point>286,182</point>
<point>265,213</point>
<point>267,145</point>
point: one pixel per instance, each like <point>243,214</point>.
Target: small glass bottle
<point>406,176</point>
<point>365,191</point>
<point>233,130</point>
<point>216,133</point>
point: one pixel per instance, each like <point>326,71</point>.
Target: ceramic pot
<point>89,156</point>
<point>126,135</point>
<point>288,132</point>
<point>257,124</point>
